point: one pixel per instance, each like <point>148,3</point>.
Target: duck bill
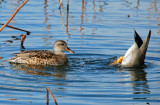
<point>69,50</point>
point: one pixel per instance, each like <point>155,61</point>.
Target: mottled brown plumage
<point>44,57</point>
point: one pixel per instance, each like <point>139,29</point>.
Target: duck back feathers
<point>40,57</point>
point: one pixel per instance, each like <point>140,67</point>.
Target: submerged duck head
<point>60,46</point>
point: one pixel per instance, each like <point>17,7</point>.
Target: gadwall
<point>135,55</point>
<point>44,57</point>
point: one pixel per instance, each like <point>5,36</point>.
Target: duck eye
<point>62,44</point>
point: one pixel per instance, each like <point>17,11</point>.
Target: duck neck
<point>59,53</point>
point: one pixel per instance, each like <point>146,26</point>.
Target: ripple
<point>98,36</point>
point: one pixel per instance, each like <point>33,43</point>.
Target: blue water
<point>99,32</point>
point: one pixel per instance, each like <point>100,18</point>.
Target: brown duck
<point>44,57</point>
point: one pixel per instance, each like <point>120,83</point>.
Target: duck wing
<point>33,53</point>
<point>144,47</point>
<point>137,39</point>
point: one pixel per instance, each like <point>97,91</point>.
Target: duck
<point>135,55</point>
<point>44,57</point>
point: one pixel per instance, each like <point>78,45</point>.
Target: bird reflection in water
<point>55,71</point>
<point>139,82</point>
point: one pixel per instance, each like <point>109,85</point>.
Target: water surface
<point>98,31</point>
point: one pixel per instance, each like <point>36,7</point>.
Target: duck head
<point>60,46</point>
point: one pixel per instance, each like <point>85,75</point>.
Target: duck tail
<point>144,47</point>
<point>137,39</point>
